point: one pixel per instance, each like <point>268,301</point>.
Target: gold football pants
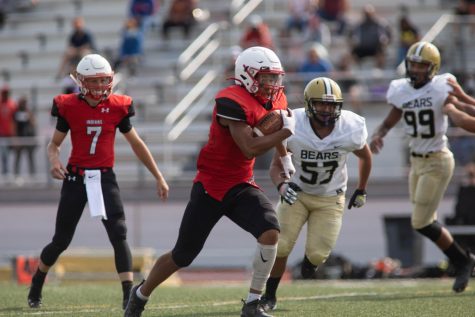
<point>323,215</point>
<point>428,180</point>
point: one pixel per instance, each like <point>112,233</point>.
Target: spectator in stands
<point>316,63</point>
<point>317,31</point>
<point>131,48</point>
<point>143,11</point>
<point>257,33</point>
<point>334,10</point>
<point>299,14</point>
<point>349,83</point>
<point>92,118</point>
<point>7,126</point>
<point>80,43</point>
<point>370,37</point>
<point>408,34</point>
<point>180,15</point>
<point>25,127</point>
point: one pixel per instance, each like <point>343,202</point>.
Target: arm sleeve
<point>61,124</point>
<point>125,125</point>
<point>229,109</point>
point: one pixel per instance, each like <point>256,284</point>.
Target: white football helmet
<point>264,62</point>
<point>94,76</point>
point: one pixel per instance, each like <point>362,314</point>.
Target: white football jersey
<point>424,121</point>
<point>321,163</point>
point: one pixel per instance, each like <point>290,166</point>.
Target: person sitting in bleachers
<point>80,43</point>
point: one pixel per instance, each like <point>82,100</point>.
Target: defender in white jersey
<point>420,100</point>
<point>315,194</point>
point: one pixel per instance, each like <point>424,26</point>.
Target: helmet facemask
<point>418,73</point>
<point>97,87</point>
<point>269,86</point>
<point>326,113</point>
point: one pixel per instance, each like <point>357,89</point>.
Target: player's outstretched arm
<point>143,153</point>
<point>460,118</point>
<point>388,123</point>
<point>57,169</point>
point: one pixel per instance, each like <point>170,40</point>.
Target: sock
<point>252,297</point>
<point>271,286</point>
<point>456,254</point>
<point>140,295</point>
<point>126,287</point>
<point>264,259</point>
<point>39,278</point>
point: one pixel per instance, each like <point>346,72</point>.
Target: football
<point>270,123</point>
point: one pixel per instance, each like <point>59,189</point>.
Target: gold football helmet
<point>323,91</point>
<point>422,63</point>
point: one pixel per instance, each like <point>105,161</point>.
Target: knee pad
<point>51,252</point>
<point>432,231</point>
<point>183,258</point>
<point>284,247</point>
<point>117,230</point>
<point>316,258</point>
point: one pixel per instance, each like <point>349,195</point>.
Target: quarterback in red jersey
<point>92,117</point>
<point>224,184</point>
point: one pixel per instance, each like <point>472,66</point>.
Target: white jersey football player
<point>324,136</point>
<point>419,100</point>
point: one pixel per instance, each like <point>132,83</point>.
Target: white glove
<point>288,120</point>
<point>289,168</point>
<point>288,192</point>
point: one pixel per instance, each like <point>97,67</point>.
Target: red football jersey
<point>221,164</point>
<point>92,128</point>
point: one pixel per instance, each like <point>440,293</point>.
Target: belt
<point>80,170</point>
<point>426,155</point>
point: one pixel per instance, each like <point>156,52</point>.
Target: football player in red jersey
<point>92,116</point>
<point>224,184</point>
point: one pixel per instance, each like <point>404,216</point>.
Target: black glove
<point>288,192</point>
<point>358,199</point>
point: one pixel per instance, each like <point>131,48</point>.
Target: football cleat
<point>34,296</point>
<point>253,309</point>
<point>463,274</point>
<point>135,306</point>
<point>268,303</point>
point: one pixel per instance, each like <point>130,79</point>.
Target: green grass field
<point>317,298</point>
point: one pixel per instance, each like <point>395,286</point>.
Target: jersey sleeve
<point>229,109</point>
<point>391,95</point>
<point>61,123</point>
<point>359,132</point>
<point>442,84</point>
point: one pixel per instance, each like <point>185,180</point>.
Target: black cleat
<point>34,296</point>
<point>135,305</point>
<point>253,309</point>
<point>463,274</point>
<point>268,303</point>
